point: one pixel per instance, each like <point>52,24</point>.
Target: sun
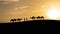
<point>53,14</point>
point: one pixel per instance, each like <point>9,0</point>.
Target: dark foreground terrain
<point>32,26</point>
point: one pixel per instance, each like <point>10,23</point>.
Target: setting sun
<point>53,14</point>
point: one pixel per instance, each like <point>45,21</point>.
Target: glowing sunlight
<point>53,14</point>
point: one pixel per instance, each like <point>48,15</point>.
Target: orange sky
<point>25,8</point>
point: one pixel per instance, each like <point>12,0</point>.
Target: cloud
<point>23,7</point>
<point>9,0</point>
<point>13,0</point>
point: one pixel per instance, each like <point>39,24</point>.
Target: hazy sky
<point>24,8</point>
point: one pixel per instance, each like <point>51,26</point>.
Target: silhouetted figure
<point>19,19</point>
<point>32,17</point>
<point>24,19</point>
<point>38,17</point>
<point>12,20</point>
<point>42,17</point>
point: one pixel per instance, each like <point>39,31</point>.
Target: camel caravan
<point>25,19</point>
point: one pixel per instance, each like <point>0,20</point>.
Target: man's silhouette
<point>24,19</point>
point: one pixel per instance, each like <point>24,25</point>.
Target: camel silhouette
<point>40,17</point>
<point>19,19</point>
<point>25,19</point>
<point>12,20</point>
<point>32,17</point>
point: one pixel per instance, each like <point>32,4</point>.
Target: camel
<point>19,19</point>
<point>13,20</point>
<point>40,17</point>
<point>32,17</point>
